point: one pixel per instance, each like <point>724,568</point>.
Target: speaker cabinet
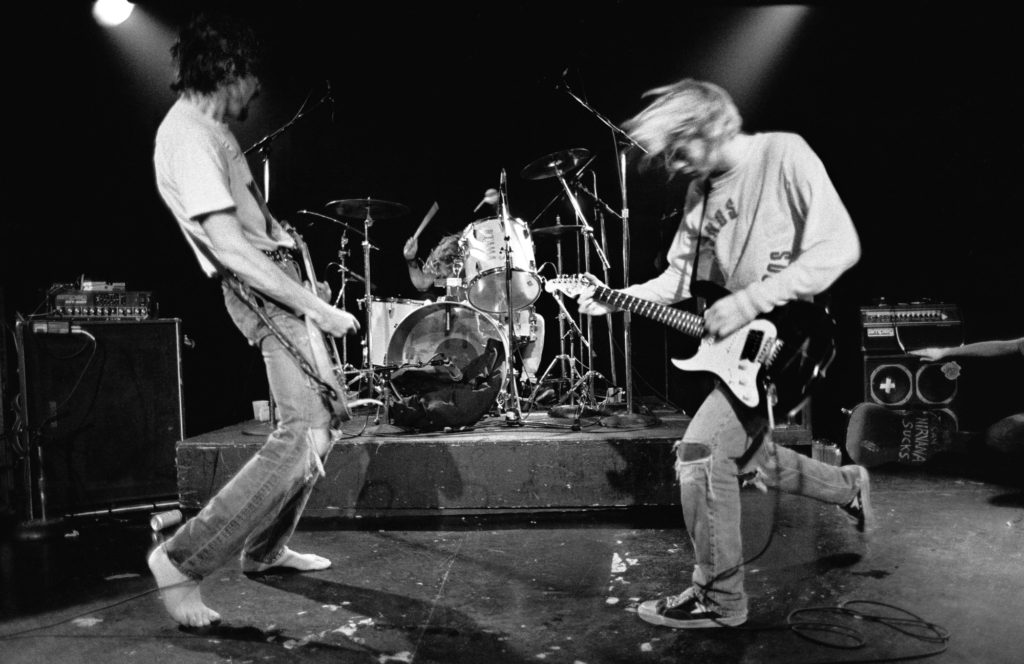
<point>104,400</point>
<point>906,382</point>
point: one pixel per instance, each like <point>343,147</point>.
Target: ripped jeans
<point>257,510</point>
<point>723,441</point>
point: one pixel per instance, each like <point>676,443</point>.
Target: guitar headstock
<point>571,284</point>
<point>288,228</point>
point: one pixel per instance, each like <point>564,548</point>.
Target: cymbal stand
<point>373,380</point>
<point>343,254</point>
<point>561,303</point>
<point>513,415</point>
<point>588,238</point>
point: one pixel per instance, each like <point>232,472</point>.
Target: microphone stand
<point>514,415</point>
<point>262,146</point>
<point>608,317</point>
<point>623,142</point>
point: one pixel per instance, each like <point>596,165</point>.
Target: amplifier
<point>103,305</point>
<point>898,328</point>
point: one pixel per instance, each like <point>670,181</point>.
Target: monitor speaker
<point>906,382</point>
<point>103,400</point>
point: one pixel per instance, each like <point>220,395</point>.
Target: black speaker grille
<point>107,406</point>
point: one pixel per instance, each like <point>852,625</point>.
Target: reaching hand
<point>930,354</point>
<point>725,317</point>
<point>587,304</point>
<point>411,247</point>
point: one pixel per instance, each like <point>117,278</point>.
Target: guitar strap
<point>700,233</point>
<point>245,294</point>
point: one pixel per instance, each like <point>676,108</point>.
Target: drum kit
<point>496,272</point>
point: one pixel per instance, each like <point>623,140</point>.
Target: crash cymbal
<point>356,208</point>
<point>559,163</point>
<point>554,231</point>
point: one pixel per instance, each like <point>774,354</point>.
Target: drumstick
<point>426,220</point>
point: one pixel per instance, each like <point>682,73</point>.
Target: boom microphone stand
<point>262,147</point>
<point>623,141</point>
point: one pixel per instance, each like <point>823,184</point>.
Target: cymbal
<point>559,163</point>
<point>554,231</point>
<point>357,208</point>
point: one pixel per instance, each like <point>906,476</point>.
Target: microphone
<point>504,193</point>
<point>490,197</point>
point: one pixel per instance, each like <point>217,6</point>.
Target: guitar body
<point>807,334</point>
<point>725,358</point>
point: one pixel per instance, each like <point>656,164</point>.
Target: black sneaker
<point>858,511</point>
<point>685,611</point>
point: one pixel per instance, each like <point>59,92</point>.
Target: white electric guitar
<point>790,347</point>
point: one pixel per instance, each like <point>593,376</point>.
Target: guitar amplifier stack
<point>896,379</point>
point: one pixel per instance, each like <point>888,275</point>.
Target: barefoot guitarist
<point>205,181</point>
<point>763,220</point>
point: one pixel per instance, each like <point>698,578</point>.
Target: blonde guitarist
<point>206,183</point>
<point>763,221</point>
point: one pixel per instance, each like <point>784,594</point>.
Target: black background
<point>913,108</point>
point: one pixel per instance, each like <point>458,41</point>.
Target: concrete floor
<point>529,587</point>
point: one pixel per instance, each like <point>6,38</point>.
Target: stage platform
<point>541,465</point>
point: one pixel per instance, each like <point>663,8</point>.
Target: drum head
<point>452,329</point>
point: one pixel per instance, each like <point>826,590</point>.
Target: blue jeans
<point>723,441</point>
<point>257,511</point>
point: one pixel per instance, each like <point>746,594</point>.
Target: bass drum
<point>453,329</point>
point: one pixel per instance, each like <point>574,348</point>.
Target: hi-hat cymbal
<point>357,208</point>
<point>559,163</point>
<point>554,231</point>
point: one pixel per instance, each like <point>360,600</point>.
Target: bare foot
<point>303,562</point>
<point>180,593</point>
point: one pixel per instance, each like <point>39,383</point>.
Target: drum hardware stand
<point>575,380</point>
<point>588,238</point>
<point>600,207</point>
<point>623,142</point>
<point>343,254</point>
<point>513,415</point>
<point>561,316</point>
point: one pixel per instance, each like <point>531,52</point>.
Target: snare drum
<point>483,248</point>
<point>385,316</point>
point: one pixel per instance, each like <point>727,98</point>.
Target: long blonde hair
<point>680,112</point>
<point>441,259</point>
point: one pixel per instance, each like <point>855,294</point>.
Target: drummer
<point>439,266</point>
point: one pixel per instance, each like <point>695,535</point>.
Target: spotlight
<point>112,12</point>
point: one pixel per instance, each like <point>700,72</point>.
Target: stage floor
<point>523,587</point>
<point>542,464</point>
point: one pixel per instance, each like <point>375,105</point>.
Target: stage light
<point>112,12</point>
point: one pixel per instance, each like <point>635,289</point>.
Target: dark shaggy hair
<point>214,50</point>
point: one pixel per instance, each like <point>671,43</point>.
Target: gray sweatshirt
<point>773,230</point>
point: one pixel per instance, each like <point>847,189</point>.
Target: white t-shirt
<point>200,169</point>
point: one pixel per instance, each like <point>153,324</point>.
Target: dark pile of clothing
<point>440,395</point>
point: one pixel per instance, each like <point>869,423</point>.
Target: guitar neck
<point>685,322</point>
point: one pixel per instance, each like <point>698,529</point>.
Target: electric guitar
<point>789,348</point>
